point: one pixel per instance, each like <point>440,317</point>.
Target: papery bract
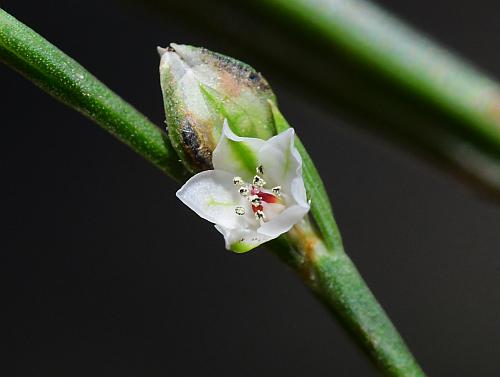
<point>255,192</point>
<point>200,89</point>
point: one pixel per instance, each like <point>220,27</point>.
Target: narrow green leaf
<point>65,79</point>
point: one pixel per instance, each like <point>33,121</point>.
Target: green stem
<point>337,282</point>
<point>65,79</point>
<point>330,273</point>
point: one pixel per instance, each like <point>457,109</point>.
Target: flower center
<point>258,196</point>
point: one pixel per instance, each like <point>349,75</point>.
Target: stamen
<point>258,181</point>
<point>259,215</point>
<point>255,190</point>
<point>256,195</point>
<point>256,201</point>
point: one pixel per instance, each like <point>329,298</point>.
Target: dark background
<point>104,273</point>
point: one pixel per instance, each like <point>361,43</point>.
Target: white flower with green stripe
<point>255,192</point>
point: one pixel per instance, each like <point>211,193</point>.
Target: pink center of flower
<point>256,195</point>
<point>264,197</point>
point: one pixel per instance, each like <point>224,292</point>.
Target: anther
<point>258,181</point>
<point>256,201</point>
<point>259,215</point>
<point>239,211</point>
<point>260,169</point>
<point>237,181</point>
<point>244,191</point>
<point>277,190</point>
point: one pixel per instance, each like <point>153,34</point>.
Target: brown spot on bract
<point>195,145</point>
<point>229,85</point>
<point>309,247</point>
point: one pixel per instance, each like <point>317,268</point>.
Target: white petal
<point>237,155</point>
<point>298,192</point>
<point>297,208</point>
<point>212,195</point>
<point>242,240</point>
<point>272,209</point>
<point>280,159</point>
<point>284,221</point>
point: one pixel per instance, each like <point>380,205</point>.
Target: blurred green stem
<point>398,52</point>
<point>414,63</point>
<point>65,79</point>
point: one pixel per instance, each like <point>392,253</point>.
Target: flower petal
<point>298,192</point>
<point>283,222</point>
<point>280,159</point>
<point>237,155</point>
<point>297,208</point>
<point>242,240</point>
<point>212,195</point>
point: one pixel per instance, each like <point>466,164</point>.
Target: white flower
<point>255,192</point>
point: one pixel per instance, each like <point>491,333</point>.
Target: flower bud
<point>202,88</point>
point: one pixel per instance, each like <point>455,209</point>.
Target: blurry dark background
<point>104,273</point>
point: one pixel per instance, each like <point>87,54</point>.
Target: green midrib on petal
<point>241,247</point>
<point>212,202</point>
<point>244,154</point>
